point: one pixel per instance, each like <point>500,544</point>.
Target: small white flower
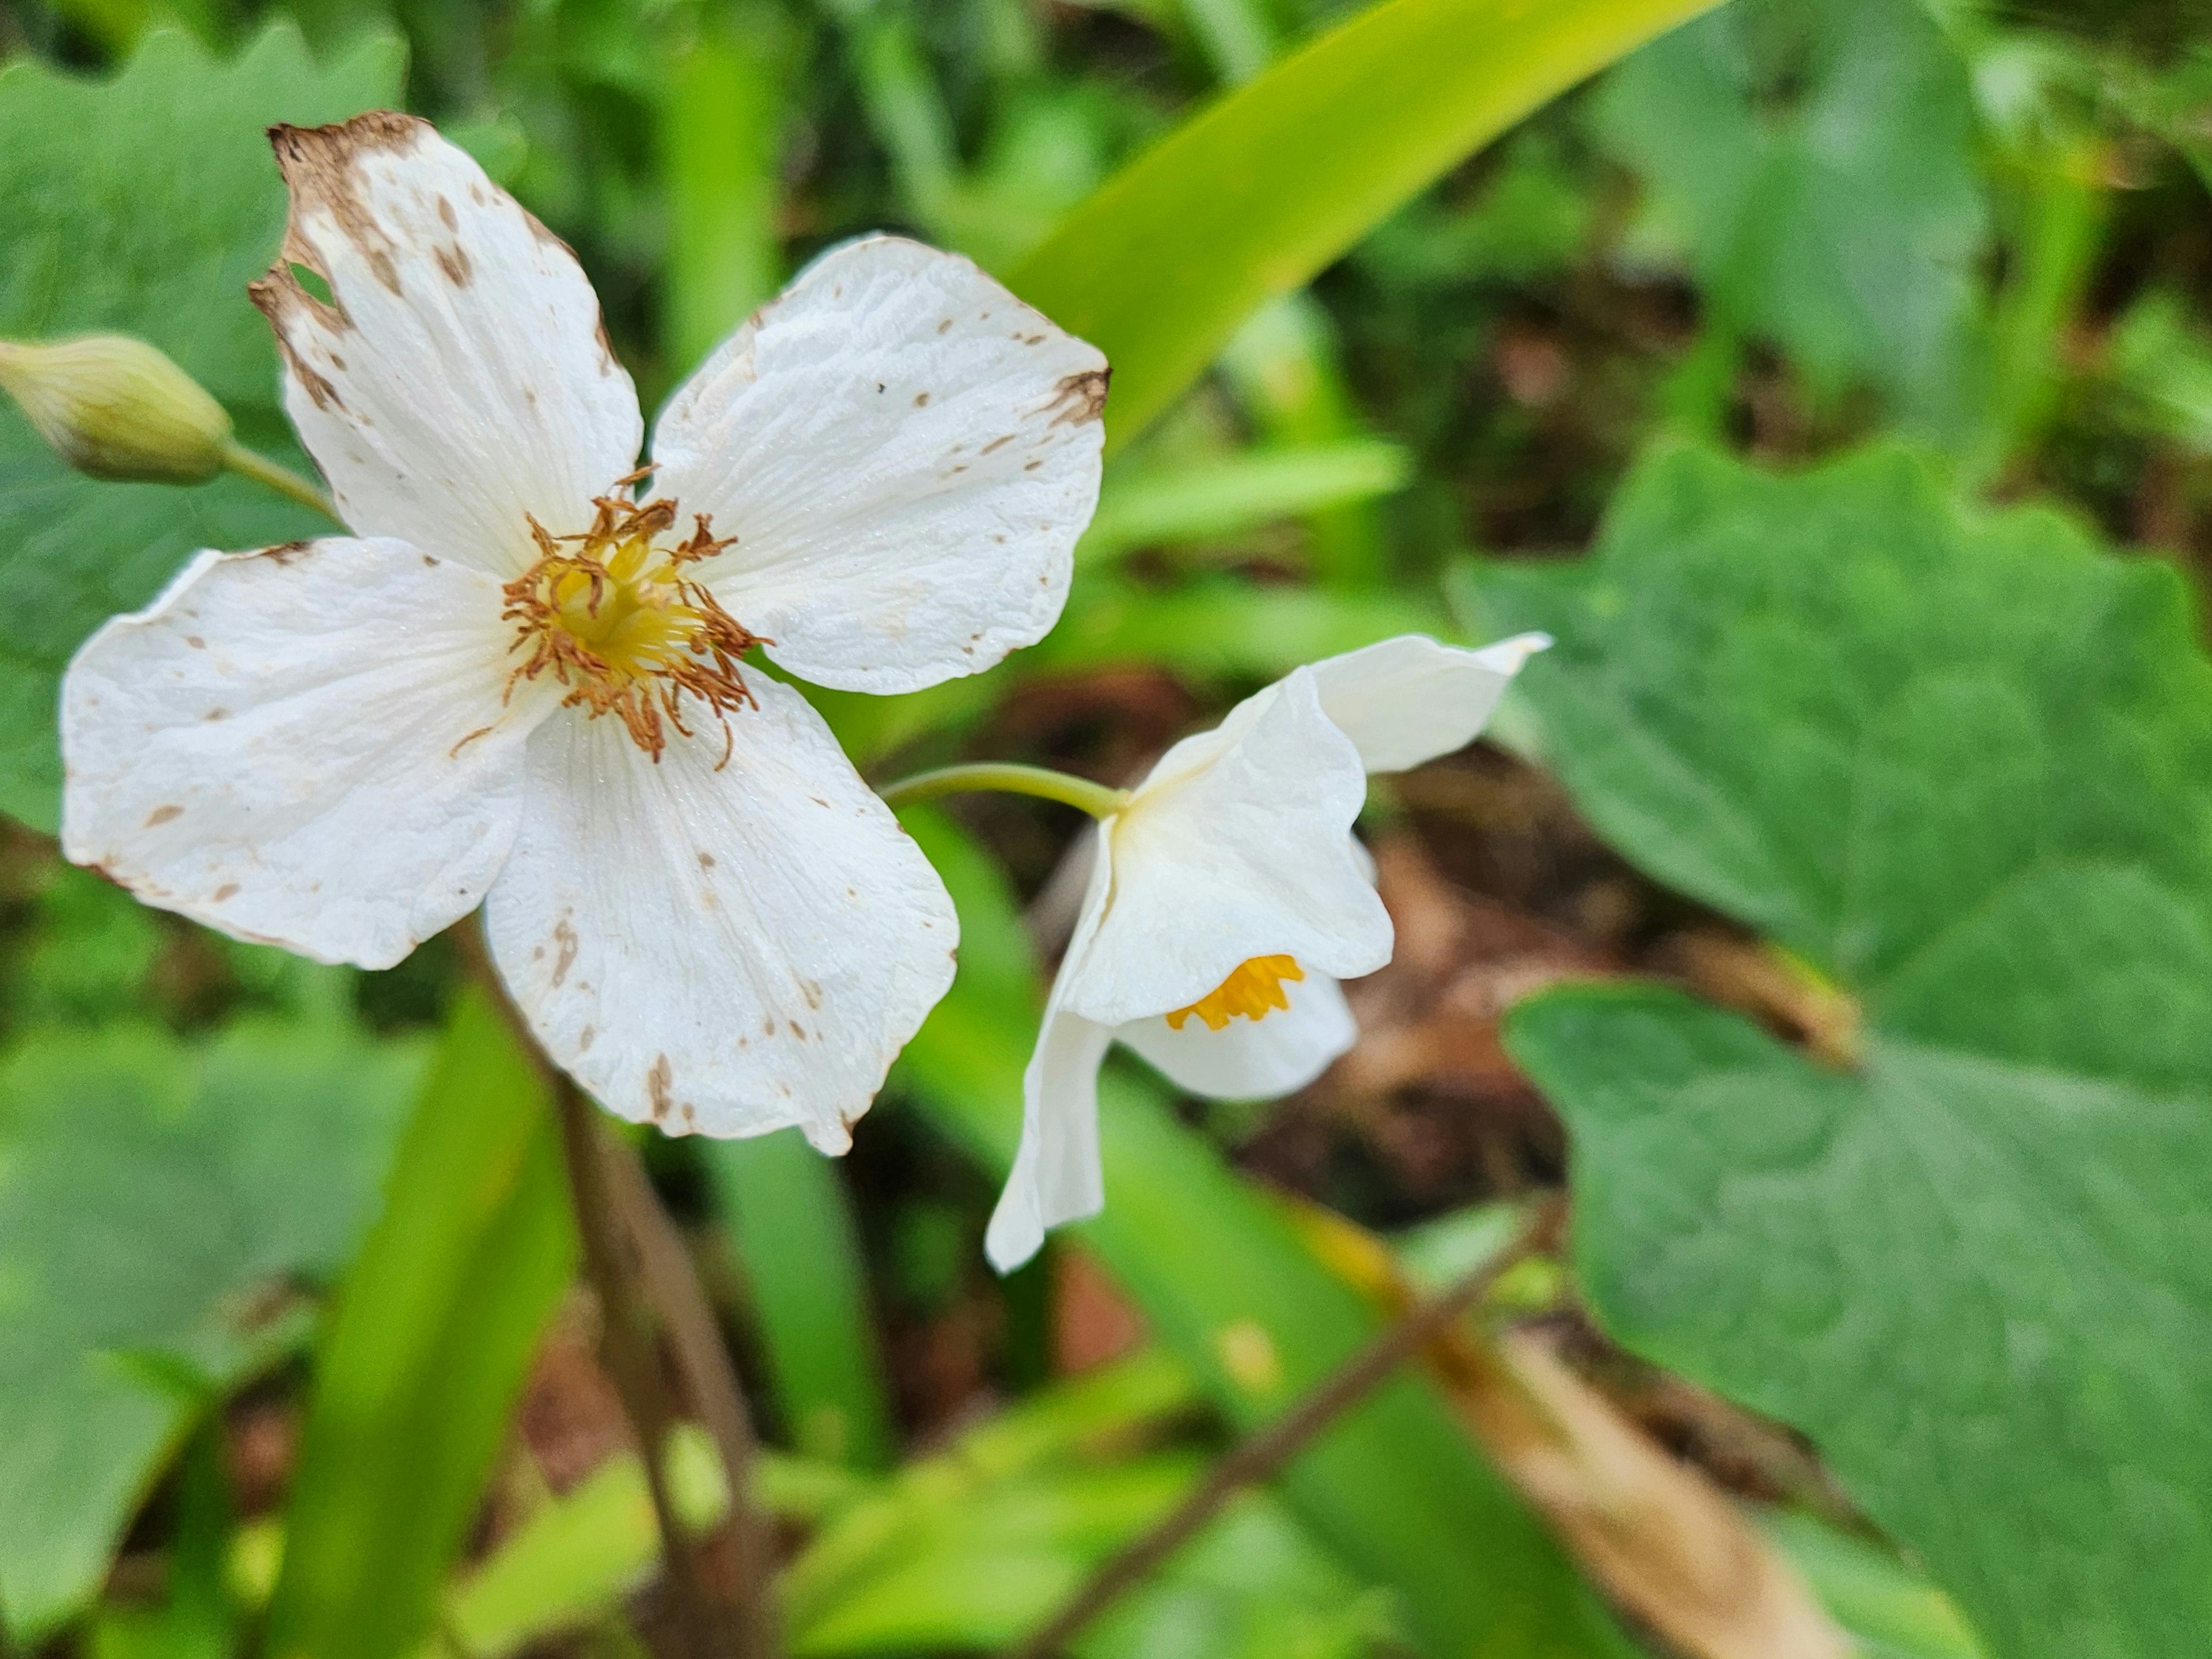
<point>1227,900</point>
<point>520,683</point>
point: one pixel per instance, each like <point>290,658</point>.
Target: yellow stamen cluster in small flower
<point>609,614</point>
<point>1252,989</point>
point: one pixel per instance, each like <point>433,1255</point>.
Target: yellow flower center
<point>1252,989</point>
<point>609,614</point>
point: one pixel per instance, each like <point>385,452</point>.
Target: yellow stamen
<point>1252,989</point>
<point>609,615</point>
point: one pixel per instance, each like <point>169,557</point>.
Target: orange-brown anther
<point>607,614</point>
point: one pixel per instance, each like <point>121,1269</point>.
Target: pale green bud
<point>116,408</point>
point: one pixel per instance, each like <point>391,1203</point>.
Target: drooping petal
<point>1248,1058</point>
<point>1409,700</point>
<point>459,379</point>
<point>1238,847</point>
<point>1057,1175</point>
<point>719,951</point>
<point>307,746</point>
<point>906,453</point>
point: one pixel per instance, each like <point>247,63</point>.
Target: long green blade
<point>433,1333</point>
<point>793,1227</point>
<point>1271,184</point>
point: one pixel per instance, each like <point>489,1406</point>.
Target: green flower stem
<point>1095,799</point>
<point>285,482</point>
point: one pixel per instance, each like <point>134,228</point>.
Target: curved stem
<point>281,479</point>
<point>1095,799</point>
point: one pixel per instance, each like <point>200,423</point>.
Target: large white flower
<point>520,684</point>
<point>1226,901</point>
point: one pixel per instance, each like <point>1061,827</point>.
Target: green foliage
<point>1959,764</point>
<point>1816,164</point>
<point>163,1207</point>
<point>435,1331</point>
<point>1253,198</point>
<point>795,1236</point>
<point>1395,1489</point>
<point>141,205</point>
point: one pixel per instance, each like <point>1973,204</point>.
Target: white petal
<point>1409,700</point>
<point>721,951</point>
<point>307,746</point>
<point>461,380</point>
<point>1252,1059</point>
<point>1242,851</point>
<point>906,453</point>
<point>1057,1175</point>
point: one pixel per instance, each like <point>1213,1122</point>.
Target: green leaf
<point>788,1211</point>
<point>433,1337</point>
<point>1396,1489</point>
<point>1818,160</point>
<point>1238,492</point>
<point>159,1205</point>
<point>1264,188</point>
<point>142,205</point>
<point>1891,1610</point>
<point>1960,765</point>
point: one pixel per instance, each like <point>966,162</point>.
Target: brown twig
<point>1261,1455</point>
<point>656,1322</point>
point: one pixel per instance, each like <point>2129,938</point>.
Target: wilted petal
<point>724,952</point>
<point>459,378</point>
<point>1238,847</point>
<point>1057,1177</point>
<point>906,454</point>
<point>1409,700</point>
<point>307,746</point>
<point>1249,1059</point>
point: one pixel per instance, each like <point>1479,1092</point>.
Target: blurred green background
<point>1867,342</point>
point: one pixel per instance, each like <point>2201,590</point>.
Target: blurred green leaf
<point>1223,628</point>
<point>160,1206</point>
<point>1959,764</point>
<point>431,1338</point>
<point>1892,1612</point>
<point>1817,161</point>
<point>2161,359</point>
<point>1396,1489</point>
<point>1238,492</point>
<point>143,205</point>
<point>572,1563</point>
<point>786,1209</point>
<point>720,137</point>
<point>1258,193</point>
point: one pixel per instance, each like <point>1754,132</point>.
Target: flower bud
<point>116,408</point>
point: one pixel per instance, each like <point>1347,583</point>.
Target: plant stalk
<point>281,479</point>
<point>1096,799</point>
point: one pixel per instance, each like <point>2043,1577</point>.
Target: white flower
<point>1227,900</point>
<point>520,684</point>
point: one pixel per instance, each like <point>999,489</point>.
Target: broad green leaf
<point>1963,766</point>
<point>142,205</point>
<point>2160,360</point>
<point>792,1223</point>
<point>1817,161</point>
<point>1259,193</point>
<point>1396,1490</point>
<point>433,1333</point>
<point>160,1205</point>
